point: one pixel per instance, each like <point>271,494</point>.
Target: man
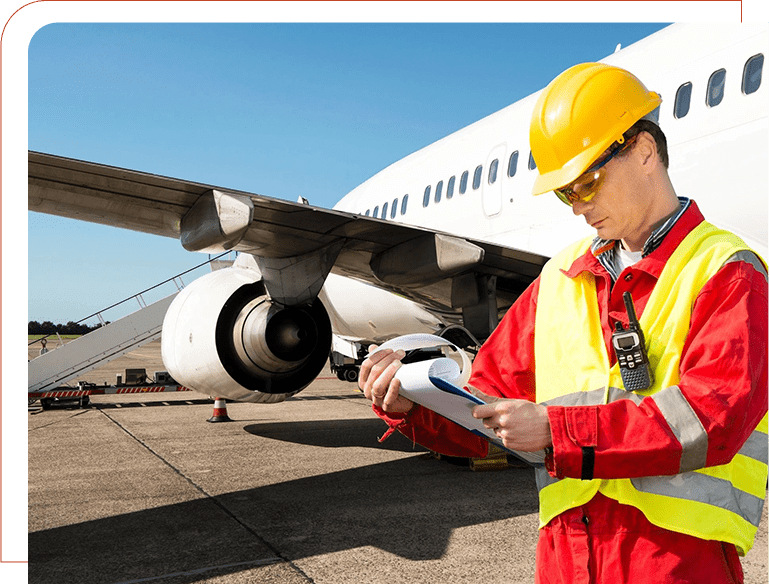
<point>665,483</point>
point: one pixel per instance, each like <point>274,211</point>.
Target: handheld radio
<point>630,347</point>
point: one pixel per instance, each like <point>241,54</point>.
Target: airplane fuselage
<point>477,181</point>
<point>466,183</point>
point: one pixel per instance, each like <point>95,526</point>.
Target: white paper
<point>453,401</point>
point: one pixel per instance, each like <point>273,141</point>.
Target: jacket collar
<point>599,259</point>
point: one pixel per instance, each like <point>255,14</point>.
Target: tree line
<point>49,328</point>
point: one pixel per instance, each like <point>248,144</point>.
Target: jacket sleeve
<point>720,399</point>
<point>504,367</point>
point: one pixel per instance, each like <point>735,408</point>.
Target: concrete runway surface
<point>141,489</point>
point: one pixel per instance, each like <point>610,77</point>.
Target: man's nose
<point>579,207</point>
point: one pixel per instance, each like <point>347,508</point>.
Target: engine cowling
<point>223,336</point>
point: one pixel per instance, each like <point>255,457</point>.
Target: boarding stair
<point>111,340</point>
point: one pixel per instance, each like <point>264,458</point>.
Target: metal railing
<point>139,297</point>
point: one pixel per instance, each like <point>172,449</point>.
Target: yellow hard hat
<point>579,115</point>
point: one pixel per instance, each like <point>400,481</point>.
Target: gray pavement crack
<point>280,556</point>
<point>60,420</point>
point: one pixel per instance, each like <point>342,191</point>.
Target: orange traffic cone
<point>220,411</point>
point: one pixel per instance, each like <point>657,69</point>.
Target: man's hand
<point>376,379</point>
<point>520,424</point>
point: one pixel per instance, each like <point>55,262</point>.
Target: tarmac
<point>141,488</point>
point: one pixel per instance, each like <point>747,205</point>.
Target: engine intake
<point>224,336</point>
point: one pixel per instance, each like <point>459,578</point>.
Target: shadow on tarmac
<point>408,507</point>
<point>363,433</point>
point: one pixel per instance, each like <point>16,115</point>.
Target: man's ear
<point>646,150</point>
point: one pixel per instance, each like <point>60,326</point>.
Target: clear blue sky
<point>276,109</point>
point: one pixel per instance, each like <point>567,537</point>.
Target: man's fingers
<point>377,372</point>
<point>489,399</point>
<point>368,363</point>
<point>372,368</point>
<point>384,366</point>
<point>381,383</point>
<point>481,412</point>
<point>489,423</point>
<point>392,395</point>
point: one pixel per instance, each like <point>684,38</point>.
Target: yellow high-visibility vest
<point>722,503</point>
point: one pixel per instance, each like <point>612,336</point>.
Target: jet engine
<point>223,336</point>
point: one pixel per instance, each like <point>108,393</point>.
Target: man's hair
<point>647,125</point>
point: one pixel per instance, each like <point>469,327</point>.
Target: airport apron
<point>721,503</point>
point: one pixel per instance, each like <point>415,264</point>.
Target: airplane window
<point>368,212</point>
<point>404,203</point>
<point>532,164</point>
<point>716,87</point>
<point>394,208</point>
<point>450,187</point>
<point>493,171</point>
<point>438,191</point>
<point>512,166</point>
<point>477,176</point>
<point>384,211</point>
<point>751,77</point>
<point>463,183</point>
<point>376,212</point>
<point>683,100</point>
<point>426,198</point>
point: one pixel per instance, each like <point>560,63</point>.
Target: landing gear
<point>345,368</point>
<point>351,375</point>
<point>347,373</point>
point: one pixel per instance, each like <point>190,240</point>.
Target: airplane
<point>442,241</point>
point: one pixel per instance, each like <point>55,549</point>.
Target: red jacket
<point>723,373</point>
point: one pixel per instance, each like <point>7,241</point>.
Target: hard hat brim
<point>567,153</point>
<point>569,172</point>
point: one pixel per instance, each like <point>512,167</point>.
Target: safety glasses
<point>586,186</point>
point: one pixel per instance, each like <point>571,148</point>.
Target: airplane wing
<point>440,270</point>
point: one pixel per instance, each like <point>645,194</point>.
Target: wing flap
<point>373,250</point>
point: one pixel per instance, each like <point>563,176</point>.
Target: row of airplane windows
<point>512,167</point>
<point>751,81</point>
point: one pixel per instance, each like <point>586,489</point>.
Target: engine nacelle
<point>222,336</point>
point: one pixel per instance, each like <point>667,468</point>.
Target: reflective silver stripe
<point>679,415</point>
<point>750,258</point>
<point>543,478</point>
<point>690,486</point>
<point>593,397</point>
<point>694,486</point>
<point>686,426</point>
<point>616,394</point>
<point>579,398</point>
<point>756,447</point>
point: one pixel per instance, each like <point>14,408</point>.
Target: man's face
<point>619,210</point>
